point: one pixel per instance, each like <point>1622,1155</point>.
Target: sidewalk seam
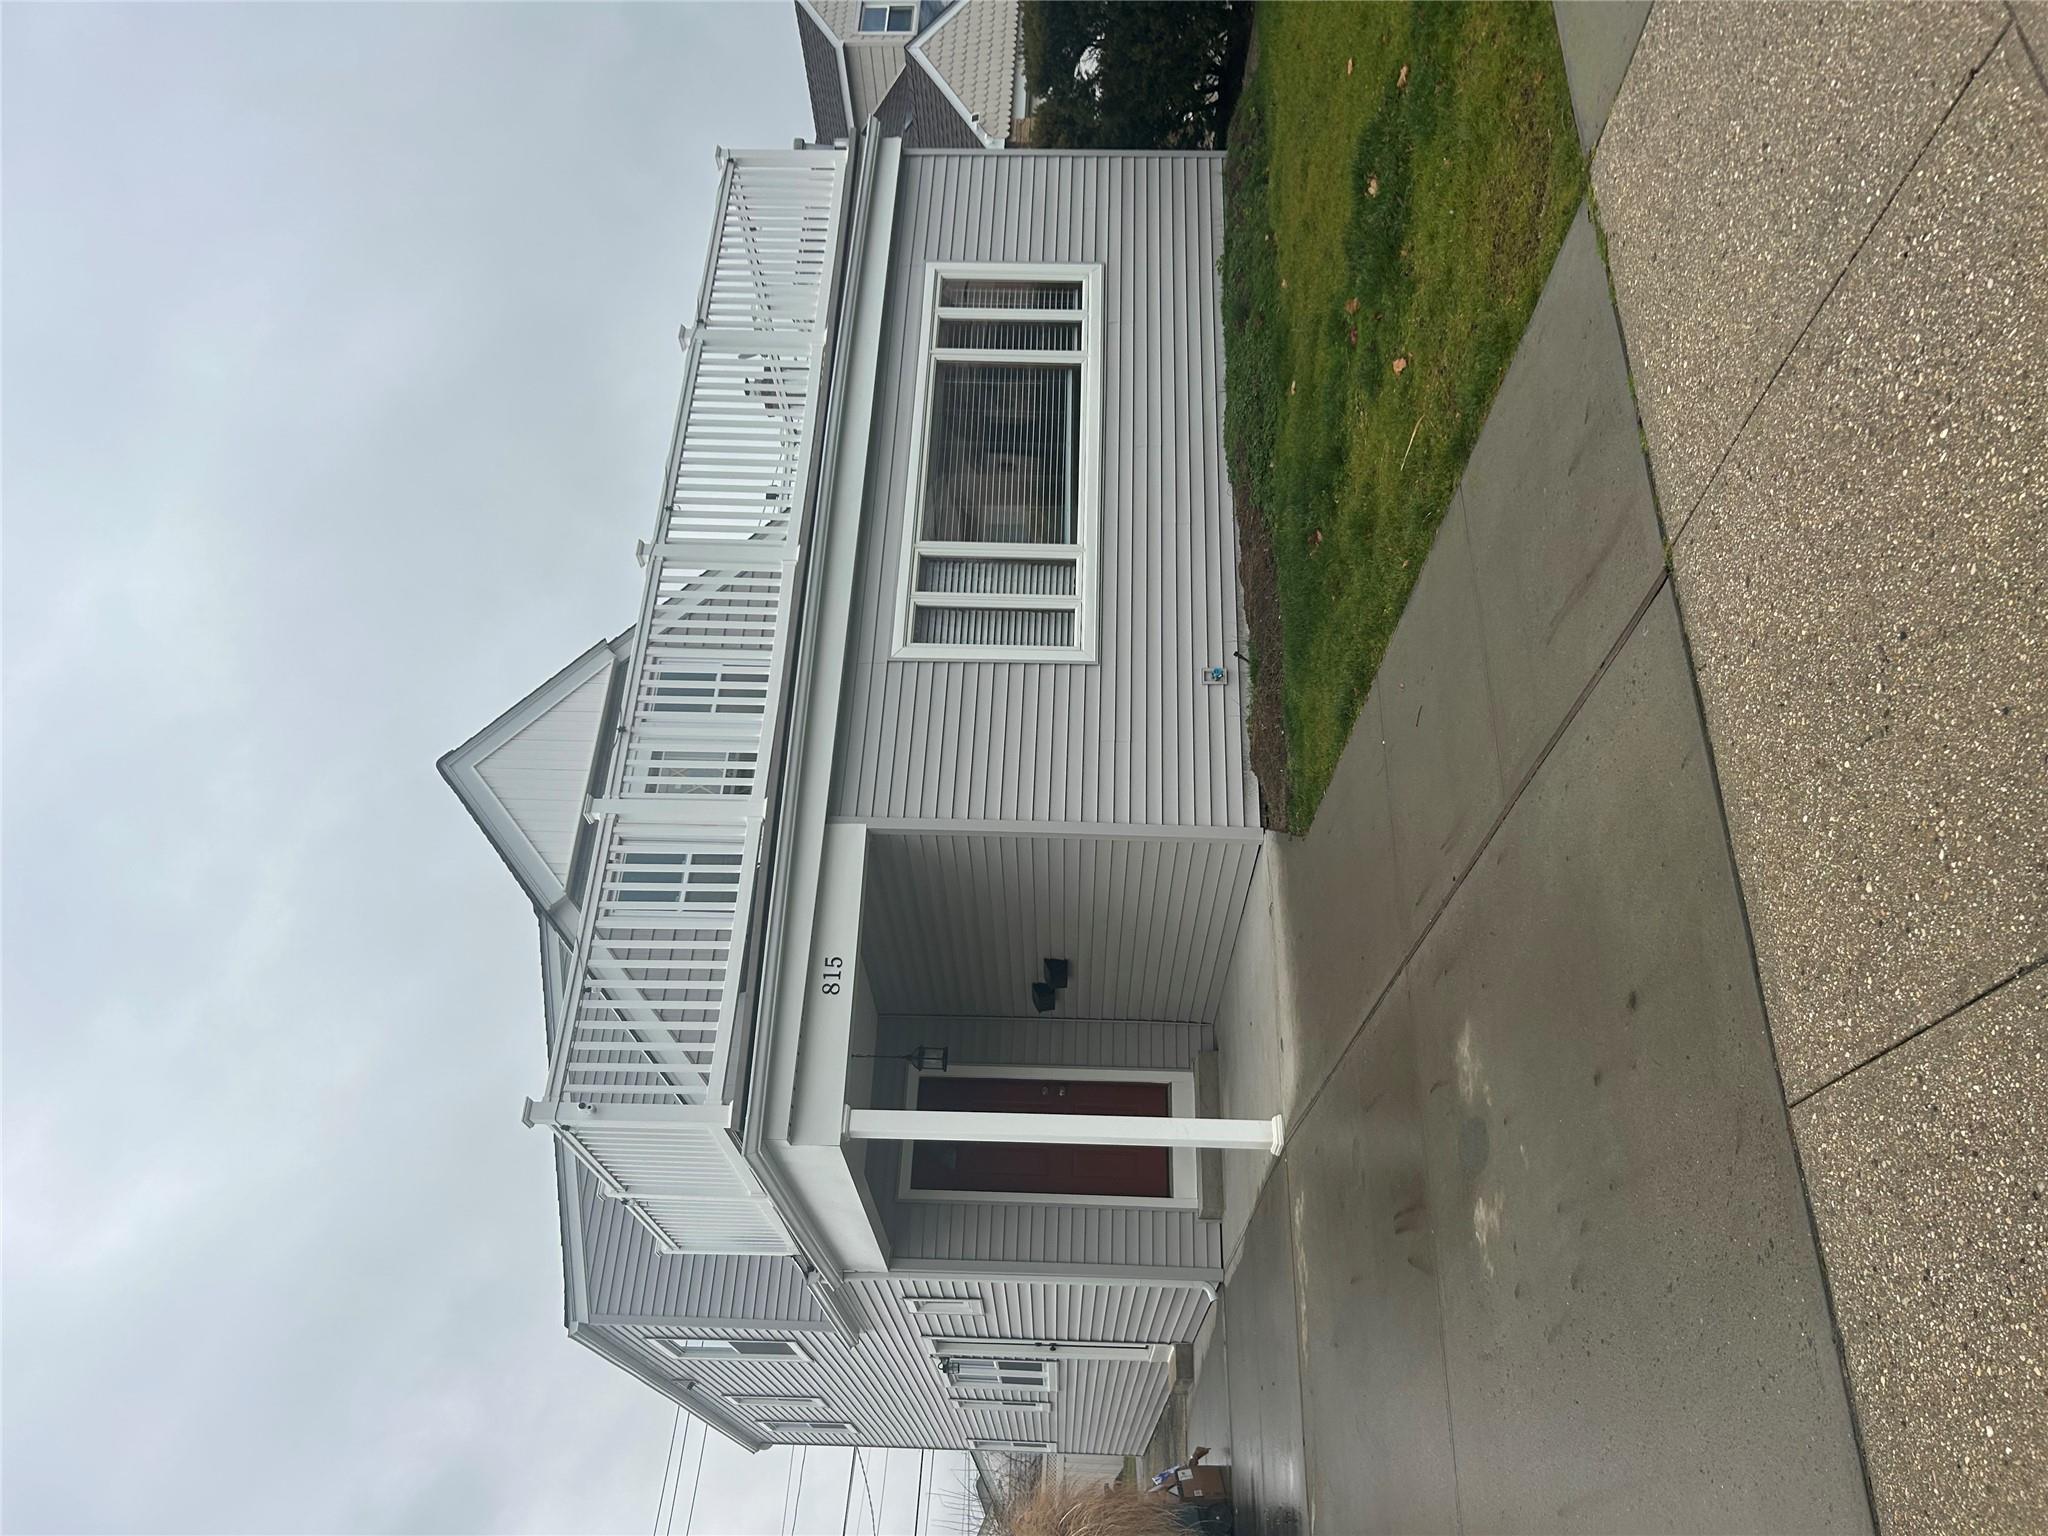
<point>1918,1030</point>
<point>1920,154</point>
<point>2026,45</point>
<point>1820,1252</point>
<point>1306,1106</point>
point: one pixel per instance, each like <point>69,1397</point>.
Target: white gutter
<point>799,821</point>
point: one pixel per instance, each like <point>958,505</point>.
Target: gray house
<point>890,865</point>
<point>936,75</point>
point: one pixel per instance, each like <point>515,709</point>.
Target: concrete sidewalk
<point>1537,1254</point>
<point>1543,1252</point>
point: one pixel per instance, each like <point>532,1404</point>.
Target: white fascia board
<point>938,77</point>
<point>793,890</point>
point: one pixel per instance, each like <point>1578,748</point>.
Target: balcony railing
<point>640,1086</point>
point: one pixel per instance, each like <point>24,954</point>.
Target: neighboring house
<point>936,76</point>
<point>891,865</point>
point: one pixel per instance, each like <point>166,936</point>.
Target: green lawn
<point>1399,178</point>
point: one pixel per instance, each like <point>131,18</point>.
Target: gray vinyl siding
<point>1137,737</point>
<point>996,1232</point>
<point>626,1276</point>
<point>959,922</point>
<point>890,1391</point>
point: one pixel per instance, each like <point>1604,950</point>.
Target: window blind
<point>998,542</point>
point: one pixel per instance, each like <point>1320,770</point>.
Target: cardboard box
<point>1199,1484</point>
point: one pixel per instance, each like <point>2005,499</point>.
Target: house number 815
<point>834,975</point>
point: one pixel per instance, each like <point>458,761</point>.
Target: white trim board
<point>1086,550</point>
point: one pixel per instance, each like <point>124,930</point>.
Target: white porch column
<point>1070,1130</point>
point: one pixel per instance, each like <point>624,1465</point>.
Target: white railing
<point>640,1083</point>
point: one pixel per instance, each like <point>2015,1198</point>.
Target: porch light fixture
<point>1056,973</point>
<point>1043,997</point>
<point>926,1058</point>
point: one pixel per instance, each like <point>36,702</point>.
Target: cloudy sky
<point>339,352</point>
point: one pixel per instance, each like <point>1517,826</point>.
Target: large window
<point>1000,530</point>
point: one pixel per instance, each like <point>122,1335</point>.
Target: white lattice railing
<point>640,1083</point>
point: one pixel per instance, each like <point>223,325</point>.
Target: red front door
<point>1034,1168</point>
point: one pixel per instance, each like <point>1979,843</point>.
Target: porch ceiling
<point>959,924</point>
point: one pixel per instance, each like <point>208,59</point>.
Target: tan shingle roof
<point>973,48</point>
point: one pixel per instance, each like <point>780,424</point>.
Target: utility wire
<point>874,1525</point>
<point>675,1490</point>
<point>667,1460</point>
<point>690,1517</point>
<point>788,1482</point>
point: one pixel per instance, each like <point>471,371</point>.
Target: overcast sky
<point>339,356</point>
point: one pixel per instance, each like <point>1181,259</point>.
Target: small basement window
<point>737,1349</point>
<point>887,18</point>
<point>1001,527</point>
<point>984,1371</point>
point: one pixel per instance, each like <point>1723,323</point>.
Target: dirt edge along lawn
<point>1399,180</point>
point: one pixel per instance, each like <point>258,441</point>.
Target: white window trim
<point>1048,1373</point>
<point>1047,1349</point>
<point>946,1306</point>
<point>777,1402</point>
<point>682,1349</point>
<point>1185,1176</point>
<point>1087,478</point>
<point>1003,1404</point>
<point>888,9</point>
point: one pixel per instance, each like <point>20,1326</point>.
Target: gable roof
<point>824,76</point>
<point>918,111</point>
<point>524,776</point>
<point>971,51</point>
<point>951,86</point>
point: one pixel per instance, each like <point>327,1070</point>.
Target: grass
<point>1399,180</point>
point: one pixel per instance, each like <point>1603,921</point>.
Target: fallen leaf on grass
<point>1290,385</point>
<point>1401,84</point>
<point>1372,186</point>
<point>1351,306</point>
<point>1354,336</point>
<point>1347,66</point>
<point>1400,363</point>
<point>1315,538</point>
